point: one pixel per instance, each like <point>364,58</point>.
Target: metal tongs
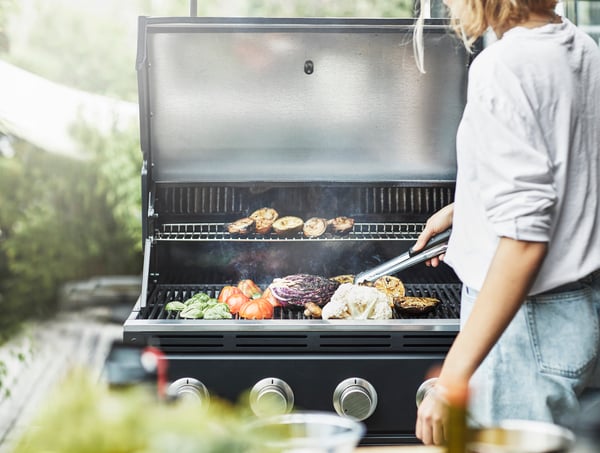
<point>436,246</point>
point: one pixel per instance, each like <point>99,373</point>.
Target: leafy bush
<point>65,219</point>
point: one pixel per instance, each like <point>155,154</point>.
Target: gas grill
<point>311,117</point>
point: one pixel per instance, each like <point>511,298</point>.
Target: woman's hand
<point>437,223</point>
<point>431,418</point>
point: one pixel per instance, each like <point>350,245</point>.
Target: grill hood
<point>254,99</point>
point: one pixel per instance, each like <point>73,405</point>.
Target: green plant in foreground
<point>85,416</point>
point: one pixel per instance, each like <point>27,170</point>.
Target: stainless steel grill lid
<point>298,99</point>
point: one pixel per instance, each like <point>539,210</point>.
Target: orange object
<point>249,288</point>
<point>228,291</point>
<point>236,301</point>
<point>268,294</point>
<point>259,308</point>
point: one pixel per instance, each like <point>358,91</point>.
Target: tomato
<point>235,302</point>
<point>268,294</point>
<point>228,291</point>
<point>249,288</point>
<point>259,308</point>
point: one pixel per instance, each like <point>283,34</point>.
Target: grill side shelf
<point>218,232</point>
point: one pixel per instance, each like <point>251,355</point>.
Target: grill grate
<point>218,232</point>
<point>448,308</point>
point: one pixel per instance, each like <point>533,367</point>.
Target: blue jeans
<point>545,360</point>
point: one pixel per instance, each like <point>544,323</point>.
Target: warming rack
<point>218,232</point>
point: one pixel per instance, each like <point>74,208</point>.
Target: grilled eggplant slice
<point>314,227</point>
<point>264,218</point>
<point>341,225</point>
<point>288,225</point>
<point>415,305</point>
<point>241,226</point>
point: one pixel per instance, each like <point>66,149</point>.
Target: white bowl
<point>521,436</point>
<point>314,432</point>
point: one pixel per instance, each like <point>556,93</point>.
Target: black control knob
<point>189,388</point>
<point>271,396</point>
<point>355,398</point>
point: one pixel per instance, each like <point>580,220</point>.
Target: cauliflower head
<point>357,302</point>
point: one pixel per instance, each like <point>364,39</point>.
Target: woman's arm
<point>511,274</point>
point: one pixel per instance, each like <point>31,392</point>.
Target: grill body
<point>238,114</point>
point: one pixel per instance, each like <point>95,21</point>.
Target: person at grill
<point>525,220</point>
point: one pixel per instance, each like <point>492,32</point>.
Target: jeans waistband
<point>574,286</point>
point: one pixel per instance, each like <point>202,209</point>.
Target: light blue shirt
<point>528,152</point>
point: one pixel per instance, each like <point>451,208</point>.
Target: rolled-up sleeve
<point>513,171</point>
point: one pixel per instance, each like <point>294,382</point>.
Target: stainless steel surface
<point>355,398</point>
<point>315,432</point>
<point>435,246</point>
<point>271,396</point>
<point>424,389</point>
<point>399,264</point>
<point>232,100</point>
<point>189,388</point>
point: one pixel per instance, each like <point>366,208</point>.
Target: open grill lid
<point>254,99</point>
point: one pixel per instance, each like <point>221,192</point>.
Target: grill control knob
<point>271,396</point>
<point>189,388</point>
<point>355,398</point>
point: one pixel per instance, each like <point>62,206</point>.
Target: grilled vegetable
<point>175,305</point>
<point>357,302</point>
<point>227,292</point>
<point>198,306</point>
<point>235,301</point>
<point>264,218</point>
<point>391,286</point>
<point>298,289</point>
<point>341,225</point>
<point>346,278</point>
<point>249,288</point>
<point>312,310</point>
<point>217,311</point>
<point>242,226</point>
<point>268,294</point>
<point>287,226</point>
<point>314,227</point>
<point>416,305</point>
<point>259,308</point>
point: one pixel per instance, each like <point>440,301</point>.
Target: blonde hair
<point>470,19</point>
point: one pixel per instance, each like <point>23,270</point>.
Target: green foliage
<point>83,416</point>
<point>332,8</point>
<point>64,219</point>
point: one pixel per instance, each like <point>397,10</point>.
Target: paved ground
<point>37,360</point>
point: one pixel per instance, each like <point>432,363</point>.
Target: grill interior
<point>192,250</point>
